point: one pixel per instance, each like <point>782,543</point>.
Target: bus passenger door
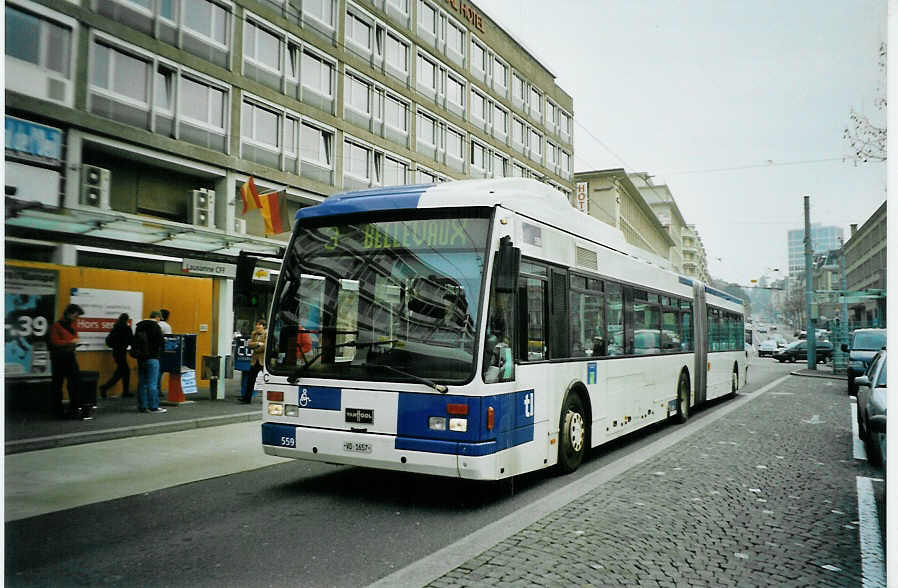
<point>700,321</point>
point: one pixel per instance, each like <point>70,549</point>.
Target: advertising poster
<point>101,309</point>
<point>30,306</point>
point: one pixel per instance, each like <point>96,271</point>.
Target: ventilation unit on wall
<point>94,187</point>
<point>240,226</point>
<point>201,208</point>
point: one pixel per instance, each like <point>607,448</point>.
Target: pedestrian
<point>119,339</point>
<point>257,344</point>
<point>163,324</point>
<point>147,349</point>
<point>63,341</point>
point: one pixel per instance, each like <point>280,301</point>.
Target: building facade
<point>612,197</point>
<point>695,259</point>
<point>661,200</point>
<point>132,125</point>
<point>823,239</point>
<point>867,271</point>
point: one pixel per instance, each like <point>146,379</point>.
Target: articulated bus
<point>481,329</point>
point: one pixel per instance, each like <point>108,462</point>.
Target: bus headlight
<point>275,409</point>
<point>459,425</point>
<point>436,423</point>
<point>291,410</point>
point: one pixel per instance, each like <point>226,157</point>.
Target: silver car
<point>871,408</point>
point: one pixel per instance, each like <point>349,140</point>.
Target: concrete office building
<point>611,196</point>
<point>823,239</point>
<point>134,124</point>
<point>866,269</point>
<point>660,199</point>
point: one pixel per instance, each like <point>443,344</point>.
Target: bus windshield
<point>381,298</point>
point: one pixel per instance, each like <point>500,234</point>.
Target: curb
<point>810,374</point>
<point>53,441</point>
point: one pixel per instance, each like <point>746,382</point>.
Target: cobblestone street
<point>766,495</point>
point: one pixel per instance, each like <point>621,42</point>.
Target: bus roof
<point>527,197</point>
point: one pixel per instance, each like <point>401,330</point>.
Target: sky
<point>688,90</point>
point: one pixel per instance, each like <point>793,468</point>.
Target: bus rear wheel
<point>683,398</point>
<point>574,428</point>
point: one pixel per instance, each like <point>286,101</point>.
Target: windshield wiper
<point>298,372</point>
<point>441,388</point>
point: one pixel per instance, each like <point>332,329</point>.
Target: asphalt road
<point>296,523</point>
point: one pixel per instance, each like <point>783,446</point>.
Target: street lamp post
<point>809,281</point>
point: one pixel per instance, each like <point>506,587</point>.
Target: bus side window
<point>615,319</point>
<point>499,346</point>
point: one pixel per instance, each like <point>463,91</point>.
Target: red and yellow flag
<point>274,212</point>
<point>250,196</point>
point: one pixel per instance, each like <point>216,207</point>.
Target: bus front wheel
<point>683,398</point>
<point>572,446</point>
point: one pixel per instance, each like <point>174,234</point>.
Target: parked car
<point>771,346</point>
<point>864,344</point>
<point>798,351</point>
<point>871,408</point>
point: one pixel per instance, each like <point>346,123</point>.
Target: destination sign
<point>441,234</point>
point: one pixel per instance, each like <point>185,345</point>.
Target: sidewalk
<point>116,418</point>
<point>822,371</point>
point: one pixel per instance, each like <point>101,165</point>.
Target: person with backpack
<point>146,348</point>
<point>119,339</point>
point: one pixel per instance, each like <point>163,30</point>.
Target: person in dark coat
<point>119,338</point>
<point>148,335</point>
<point>63,340</point>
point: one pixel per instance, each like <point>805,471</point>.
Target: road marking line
<point>443,561</point>
<point>872,557</point>
<point>858,449</point>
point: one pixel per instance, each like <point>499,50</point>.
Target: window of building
<point>427,73</point>
<point>427,129</point>
<point>260,125</point>
<point>564,123</point>
<point>427,17</point>
<point>500,166</point>
<point>551,154</point>
<point>518,171</point>
<point>262,46</point>
<point>207,19</point>
<point>425,176</point>
<point>359,31</point>
<point>355,160</point>
<point>500,76</point>
<point>395,172</point>
<point>500,120</point>
<point>455,144</point>
<point>400,5</point>
<point>38,41</point>
<point>478,57</point>
<point>358,94</point>
<point>518,134</point>
<point>536,143</point>
<point>551,115</point>
<point>479,156</point>
<point>478,105</point>
<point>321,10</point>
<point>397,53</point>
<point>317,74</point>
<point>202,102</point>
<point>315,145</point>
<point>164,83</point>
<point>565,163</point>
<point>455,38</point>
<point>518,88</point>
<point>536,103</point>
<point>121,74</point>
<point>396,113</point>
<point>455,90</point>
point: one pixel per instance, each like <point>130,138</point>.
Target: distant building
<point>823,239</point>
<point>663,204</point>
<point>866,269</point>
<point>611,197</point>
<point>695,259</point>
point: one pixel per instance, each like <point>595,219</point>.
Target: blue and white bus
<point>481,329</point>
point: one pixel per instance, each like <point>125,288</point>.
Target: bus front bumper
<point>440,458</point>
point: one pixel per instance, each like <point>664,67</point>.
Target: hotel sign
<point>582,197</point>
<point>468,12</point>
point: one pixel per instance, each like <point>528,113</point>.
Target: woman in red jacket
<point>63,340</point>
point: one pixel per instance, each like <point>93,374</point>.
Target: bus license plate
<point>356,447</point>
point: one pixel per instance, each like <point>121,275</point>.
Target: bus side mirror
<point>508,264</point>
<point>845,347</point>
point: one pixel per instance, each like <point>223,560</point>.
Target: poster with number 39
<point>29,306</point>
